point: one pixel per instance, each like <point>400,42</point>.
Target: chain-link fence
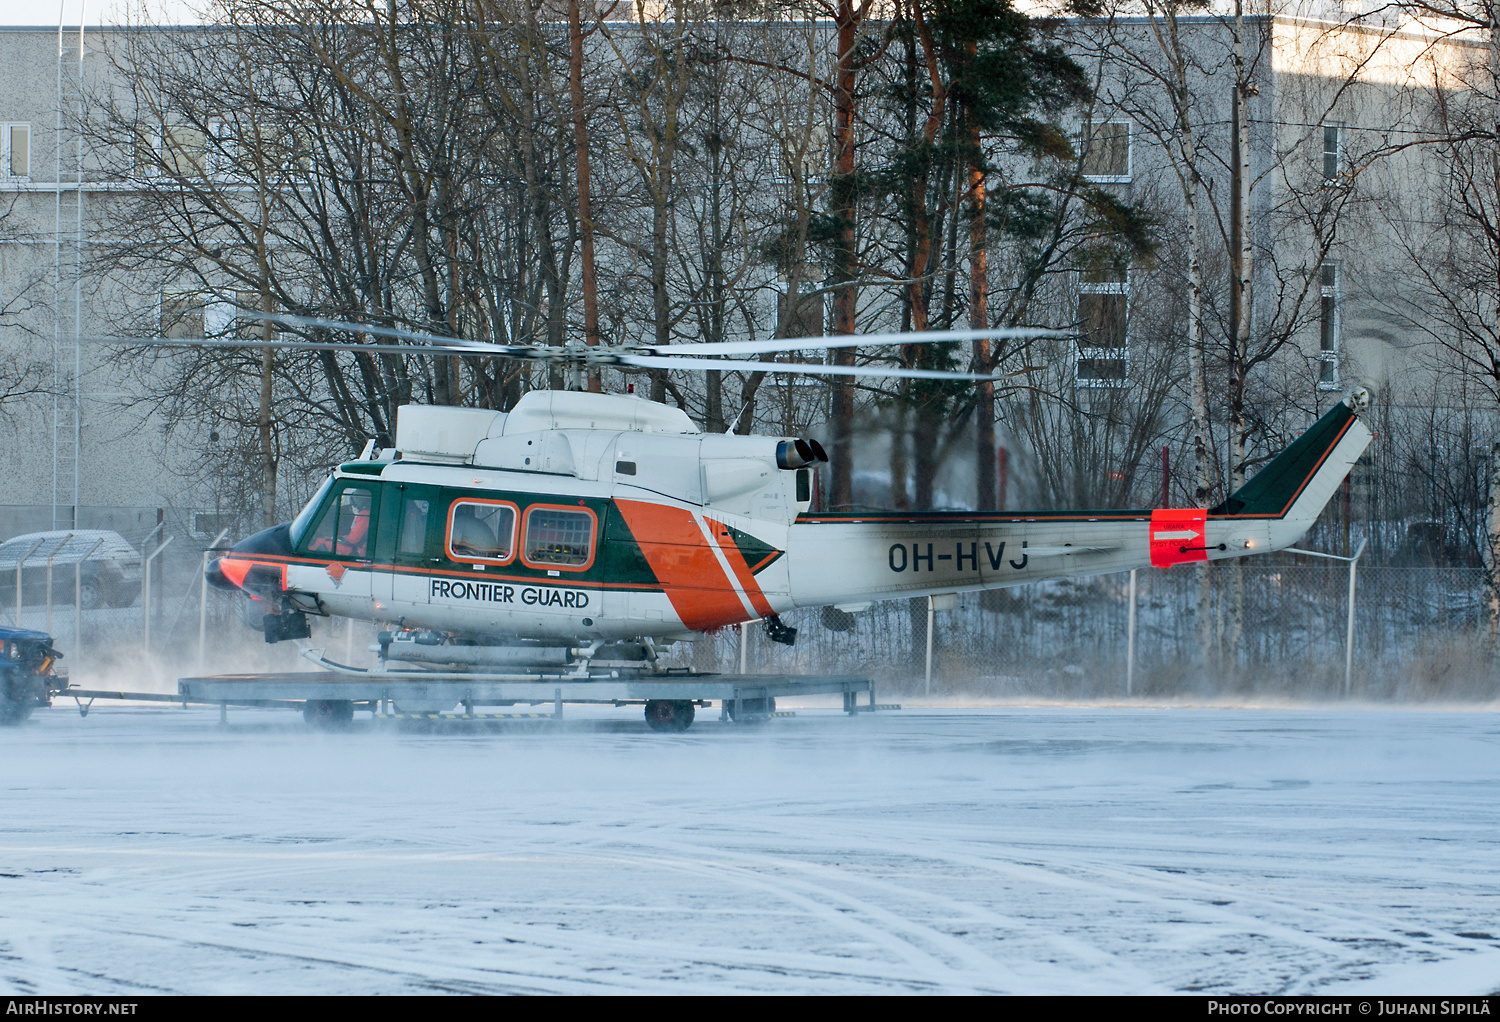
<point>135,604</point>
<point>1268,626</point>
<point>1225,629</point>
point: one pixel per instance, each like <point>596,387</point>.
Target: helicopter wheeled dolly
<point>670,701</point>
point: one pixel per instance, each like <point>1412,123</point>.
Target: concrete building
<point>1333,94</point>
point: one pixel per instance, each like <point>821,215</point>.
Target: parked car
<point>109,568</point>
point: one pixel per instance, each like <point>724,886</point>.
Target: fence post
<point>146,596</point>
<point>1349,637</point>
<point>19,564</point>
<point>1130,641</point>
<point>931,624</point>
<point>1349,634</point>
<point>203,598</point>
<point>51,556</point>
<point>78,597</point>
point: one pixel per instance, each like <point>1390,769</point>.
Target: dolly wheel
<point>328,714</point>
<point>669,714</point>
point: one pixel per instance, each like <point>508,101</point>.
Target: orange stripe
<point>741,569</point>
<point>684,564</point>
<point>765,561</point>
<point>236,568</point>
<point>388,566</point>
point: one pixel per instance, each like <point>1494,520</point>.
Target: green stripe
<point>752,549</point>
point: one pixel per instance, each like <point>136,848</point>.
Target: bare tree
<point>23,373</point>
<point>297,161</point>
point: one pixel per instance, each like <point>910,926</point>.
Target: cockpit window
<point>305,517</point>
<point>345,528</point>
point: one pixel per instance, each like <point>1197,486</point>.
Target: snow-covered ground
<point>1064,849</point>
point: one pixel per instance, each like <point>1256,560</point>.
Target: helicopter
<point>582,526</point>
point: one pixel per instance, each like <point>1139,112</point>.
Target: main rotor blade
<point>778,344</point>
<point>316,323</point>
<point>813,368</point>
<point>400,349</point>
<point>544,352</point>
<point>220,342</point>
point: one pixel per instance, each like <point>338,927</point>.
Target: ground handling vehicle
<point>27,675</point>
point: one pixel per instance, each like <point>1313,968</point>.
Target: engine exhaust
<point>799,453</point>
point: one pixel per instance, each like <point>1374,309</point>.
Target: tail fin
<point>1299,481</point>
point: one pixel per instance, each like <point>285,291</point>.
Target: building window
<point>805,320</point>
<point>15,150</point>
<point>220,150</point>
<point>1332,148</point>
<point>1103,358</point>
<point>1106,154</point>
<point>239,317</point>
<point>185,151</point>
<point>1328,327</point>
<point>179,151</point>
<point>208,524</point>
<point>181,315</point>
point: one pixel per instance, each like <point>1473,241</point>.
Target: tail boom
<point>851,558</point>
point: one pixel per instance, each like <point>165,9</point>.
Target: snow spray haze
<point>963,851</point>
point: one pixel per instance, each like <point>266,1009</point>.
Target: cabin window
<point>804,486</point>
<point>559,537</point>
<point>344,529</point>
<point>482,530</point>
<point>414,525</point>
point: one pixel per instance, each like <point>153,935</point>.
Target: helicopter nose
<point>218,579</point>
<point>229,571</point>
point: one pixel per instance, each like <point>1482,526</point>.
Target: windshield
<point>304,519</point>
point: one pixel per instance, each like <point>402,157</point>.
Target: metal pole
<point>78,598</point>
<point>146,596</point>
<point>203,599</point>
<point>1349,638</point>
<point>744,648</point>
<point>1349,634</point>
<point>51,556</point>
<point>146,604</point>
<point>19,564</point>
<point>1130,642</point>
<point>931,625</point>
